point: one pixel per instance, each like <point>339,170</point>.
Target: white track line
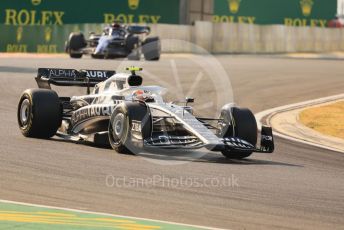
<point>107,214</point>
<point>267,114</point>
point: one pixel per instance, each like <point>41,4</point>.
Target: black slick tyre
<point>151,49</point>
<point>242,125</point>
<point>39,113</point>
<point>122,135</point>
<point>76,42</point>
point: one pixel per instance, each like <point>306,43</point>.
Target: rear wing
<point>71,77</point>
<point>139,29</point>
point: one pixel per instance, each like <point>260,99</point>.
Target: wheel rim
<point>24,112</point>
<point>118,126</point>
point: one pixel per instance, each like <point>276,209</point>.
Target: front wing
<point>203,137</point>
<point>234,144</point>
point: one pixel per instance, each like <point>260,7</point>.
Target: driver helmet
<point>143,95</point>
<point>115,25</point>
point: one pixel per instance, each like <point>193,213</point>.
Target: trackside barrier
<point>214,37</point>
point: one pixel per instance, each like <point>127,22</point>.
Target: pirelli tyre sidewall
<point>124,134</point>
<point>241,123</point>
<point>39,113</point>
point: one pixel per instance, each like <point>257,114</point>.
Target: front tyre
<point>129,125</point>
<point>39,113</point>
<point>241,123</point>
<point>119,130</point>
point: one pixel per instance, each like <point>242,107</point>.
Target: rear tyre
<point>39,113</point>
<point>122,136</point>
<point>76,42</point>
<point>241,123</point>
<point>151,49</point>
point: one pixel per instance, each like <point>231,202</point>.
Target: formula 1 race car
<point>132,117</point>
<point>116,41</point>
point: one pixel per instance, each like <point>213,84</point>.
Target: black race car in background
<point>116,41</point>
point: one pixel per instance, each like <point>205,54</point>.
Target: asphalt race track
<point>297,187</point>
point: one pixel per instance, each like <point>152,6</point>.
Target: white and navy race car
<point>132,118</point>
<point>117,40</point>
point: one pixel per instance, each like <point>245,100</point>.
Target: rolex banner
<point>35,39</point>
<point>43,25</point>
<point>60,12</point>
<point>285,12</point>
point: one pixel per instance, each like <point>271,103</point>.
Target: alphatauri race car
<point>133,118</point>
<point>116,41</point>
